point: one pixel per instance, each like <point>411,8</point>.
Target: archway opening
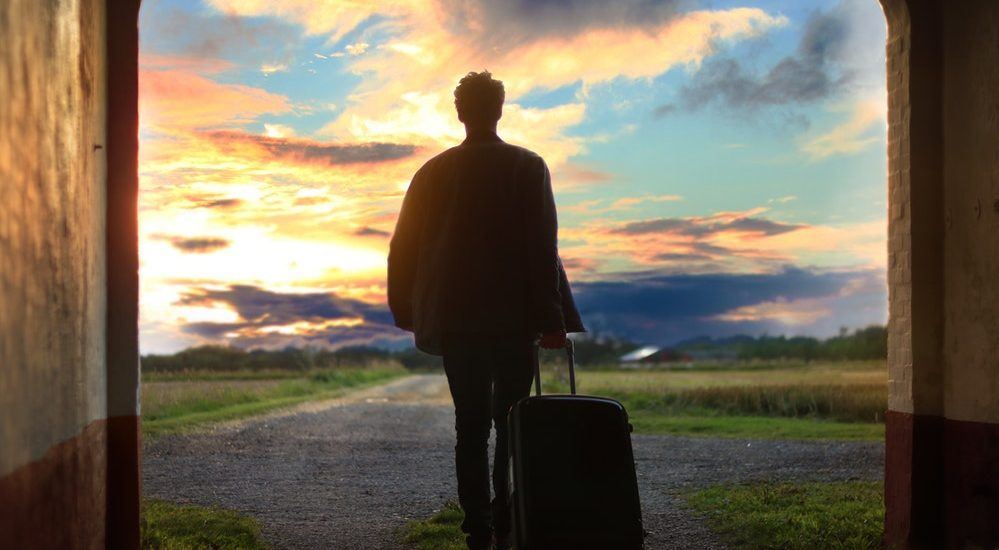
<point>277,144</point>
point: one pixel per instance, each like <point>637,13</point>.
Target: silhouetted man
<point>474,272</point>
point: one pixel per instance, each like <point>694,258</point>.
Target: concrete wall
<point>942,455</point>
<point>52,283</point>
<point>970,389</point>
<point>971,211</point>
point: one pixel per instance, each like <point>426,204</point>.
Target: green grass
<point>753,427</point>
<point>175,406</point>
<point>442,531</point>
<point>168,526</point>
<point>796,401</point>
<point>843,403</point>
<point>847,515</point>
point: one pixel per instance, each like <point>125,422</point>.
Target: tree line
<point>228,358</point>
<point>591,349</point>
<point>860,344</point>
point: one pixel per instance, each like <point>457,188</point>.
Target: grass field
<point>183,401</point>
<point>846,515</point>
<point>841,515</point>
<point>168,526</point>
<point>843,400</point>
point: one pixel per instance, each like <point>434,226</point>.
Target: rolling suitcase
<point>572,480</point>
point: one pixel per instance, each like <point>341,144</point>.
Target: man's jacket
<point>475,248</point>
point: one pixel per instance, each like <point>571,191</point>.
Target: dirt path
<point>347,473</point>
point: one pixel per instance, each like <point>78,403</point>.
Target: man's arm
<point>403,252</point>
<point>542,254</point>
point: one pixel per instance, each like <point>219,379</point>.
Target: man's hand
<point>552,340</point>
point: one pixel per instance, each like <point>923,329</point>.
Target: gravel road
<point>348,473</point>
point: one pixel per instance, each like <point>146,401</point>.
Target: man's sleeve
<point>403,253</point>
<point>542,249</point>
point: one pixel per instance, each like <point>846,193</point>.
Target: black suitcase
<point>572,473</point>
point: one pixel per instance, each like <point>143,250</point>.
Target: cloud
<point>705,226</point>
<point>195,64</point>
<point>409,74</point>
<point>810,74</point>
<point>371,232</point>
<point>592,207</point>
<point>309,151</point>
<point>199,245</point>
<point>334,19</point>
<point>730,241</point>
<point>173,100</point>
<point>223,203</point>
<point>206,34</point>
<point>496,25</point>
<point>865,127</point>
<point>840,55</point>
<point>649,308</point>
<point>272,319</point>
<point>572,176</point>
<point>271,68</point>
<point>664,309</point>
<point>357,48</point>
<point>278,131</point>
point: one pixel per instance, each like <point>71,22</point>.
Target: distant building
<point>651,355</point>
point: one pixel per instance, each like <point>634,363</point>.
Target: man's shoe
<point>501,542</point>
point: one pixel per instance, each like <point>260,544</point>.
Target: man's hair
<point>479,98</point>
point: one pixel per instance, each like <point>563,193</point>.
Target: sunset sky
<point>719,167</point>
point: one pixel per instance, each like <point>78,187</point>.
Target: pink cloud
<point>172,100</point>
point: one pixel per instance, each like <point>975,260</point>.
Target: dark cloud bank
<point>260,308</point>
<point>206,34</point>
<point>304,150</point>
<point>663,309</point>
<point>812,73</point>
<point>657,309</point>
<point>510,23</point>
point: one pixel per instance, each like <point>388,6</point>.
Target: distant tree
<point>866,343</point>
<point>413,358</point>
<point>197,358</point>
<point>360,355</point>
<point>591,349</point>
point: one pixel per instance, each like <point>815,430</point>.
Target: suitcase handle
<point>571,354</point>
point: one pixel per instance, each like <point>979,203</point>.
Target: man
<point>474,272</point>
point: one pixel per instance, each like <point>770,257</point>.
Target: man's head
<point>479,99</point>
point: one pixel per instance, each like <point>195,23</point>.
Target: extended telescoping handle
<point>570,353</point>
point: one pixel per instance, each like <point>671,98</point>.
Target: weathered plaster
<point>52,247</point>
<point>971,210</point>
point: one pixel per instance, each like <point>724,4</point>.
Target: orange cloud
<point>178,99</point>
<point>729,241</point>
<point>406,93</point>
<point>865,127</point>
<point>805,311</point>
<point>788,312</point>
<point>307,151</point>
